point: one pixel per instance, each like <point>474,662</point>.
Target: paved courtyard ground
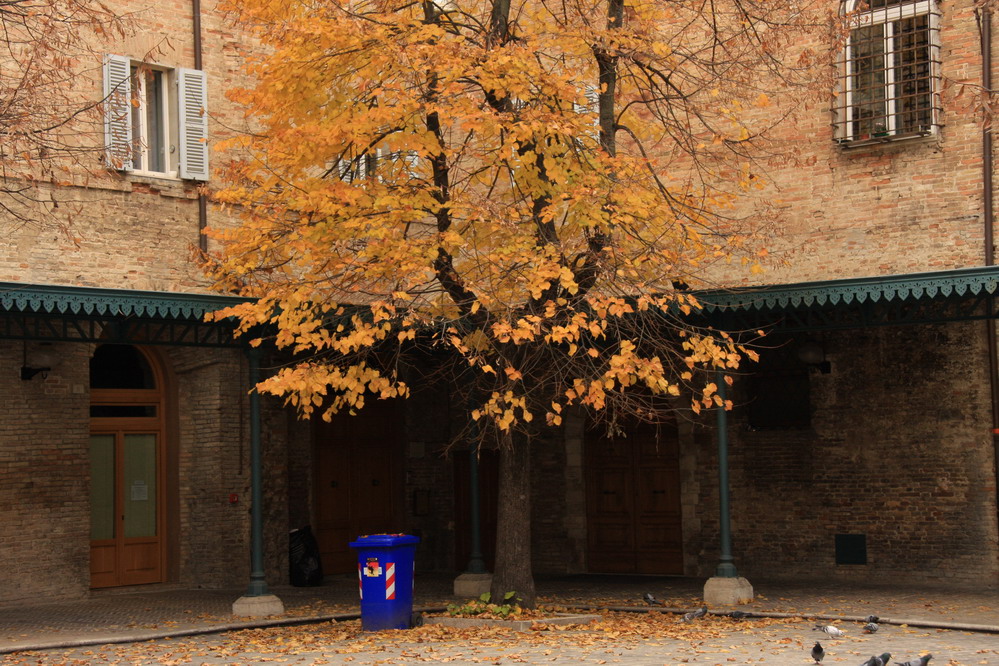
<point>174,626</point>
<point>617,638</point>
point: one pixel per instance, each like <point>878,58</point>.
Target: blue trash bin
<point>385,572</point>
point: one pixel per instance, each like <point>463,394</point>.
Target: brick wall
<point>213,447</point>
<point>44,502</point>
<point>44,496</point>
<point>899,450</point>
<point>134,231</point>
<point>906,206</point>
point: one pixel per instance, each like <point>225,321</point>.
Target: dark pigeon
<point>817,652</point>
<point>696,615</point>
<point>738,615</point>
<point>650,600</point>
<point>878,661</point>
<point>916,662</point>
<point>871,627</point>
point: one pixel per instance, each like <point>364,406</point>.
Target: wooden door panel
<point>656,446</point>
<point>140,562</point>
<point>332,486</point>
<point>102,564</point>
<point>372,499</point>
<point>633,503</point>
<point>611,494</point>
<point>611,547</point>
<point>659,548</point>
<point>358,482</point>
<point>657,492</point>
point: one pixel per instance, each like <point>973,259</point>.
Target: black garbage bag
<point>303,558</point>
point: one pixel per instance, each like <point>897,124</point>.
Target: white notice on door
<point>140,491</point>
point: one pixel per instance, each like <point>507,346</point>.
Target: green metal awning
<point>934,297</point>
<point>87,314</point>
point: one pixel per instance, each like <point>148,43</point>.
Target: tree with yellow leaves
<point>532,185</point>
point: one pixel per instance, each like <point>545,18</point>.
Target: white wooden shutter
<point>118,112</point>
<point>192,96</point>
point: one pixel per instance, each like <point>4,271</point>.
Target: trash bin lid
<point>384,540</point>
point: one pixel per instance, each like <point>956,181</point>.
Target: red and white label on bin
<point>372,569</point>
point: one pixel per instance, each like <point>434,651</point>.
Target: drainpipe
<point>202,199</point>
<point>985,31</point>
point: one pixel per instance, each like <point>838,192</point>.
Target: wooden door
<point>633,502</point>
<point>127,456</point>
<point>358,480</point>
<point>125,499</point>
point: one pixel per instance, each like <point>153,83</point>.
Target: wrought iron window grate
<point>889,72</point>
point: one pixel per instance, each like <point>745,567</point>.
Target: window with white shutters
<point>156,119</point>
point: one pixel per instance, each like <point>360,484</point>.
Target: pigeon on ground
<point>817,652</point>
<point>878,661</point>
<point>833,631</point>
<point>871,627</point>
<point>738,615</point>
<point>651,600</point>
<point>873,618</point>
<point>696,615</point>
<point>916,662</point>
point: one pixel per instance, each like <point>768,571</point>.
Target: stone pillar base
<point>260,606</point>
<point>727,591</point>
<point>472,585</point>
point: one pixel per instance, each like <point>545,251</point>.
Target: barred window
<point>889,72</point>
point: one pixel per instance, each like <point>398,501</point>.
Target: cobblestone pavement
<point>158,613</point>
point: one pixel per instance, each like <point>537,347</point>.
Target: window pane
<point>120,367</point>
<point>155,123</point>
<point>869,112</point>
<point>140,485</point>
<point>122,411</point>
<point>912,74</point>
<point>138,128</point>
<point>101,487</point>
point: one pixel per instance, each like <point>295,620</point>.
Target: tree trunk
<point>513,523</point>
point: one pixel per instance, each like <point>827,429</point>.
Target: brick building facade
<point>878,461</point>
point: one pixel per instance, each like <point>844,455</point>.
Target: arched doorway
<point>126,467</point>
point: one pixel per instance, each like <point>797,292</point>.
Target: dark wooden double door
<point>358,480</point>
<point>633,502</point>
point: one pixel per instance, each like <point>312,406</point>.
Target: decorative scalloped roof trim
<point>807,295</point>
<point>89,301</point>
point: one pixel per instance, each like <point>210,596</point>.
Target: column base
<point>472,585</point>
<point>265,604</point>
<point>727,591</point>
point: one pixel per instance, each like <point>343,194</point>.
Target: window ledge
<point>875,140</point>
<point>166,184</point>
<point>154,175</point>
